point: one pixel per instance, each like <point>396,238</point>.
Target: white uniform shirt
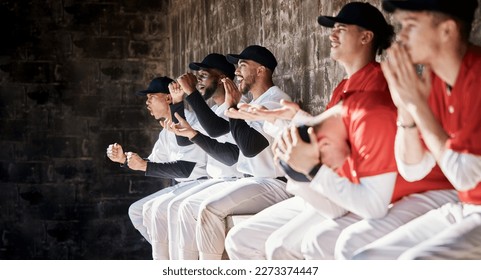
<point>263,165</point>
<point>215,168</point>
<point>166,150</point>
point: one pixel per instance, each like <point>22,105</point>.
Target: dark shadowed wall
<point>68,71</point>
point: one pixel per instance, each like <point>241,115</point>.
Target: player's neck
<point>356,64</point>
<point>447,63</point>
<point>260,88</point>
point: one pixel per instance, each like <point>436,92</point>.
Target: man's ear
<point>367,36</point>
<point>168,98</point>
<point>448,28</point>
<point>261,69</point>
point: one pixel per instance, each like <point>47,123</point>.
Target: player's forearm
<point>214,125</point>
<point>226,153</point>
<point>433,134</point>
<point>170,170</point>
<point>369,199</point>
<point>462,170</point>
<point>250,141</point>
<point>408,146</point>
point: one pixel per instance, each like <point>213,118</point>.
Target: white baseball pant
<point>202,215</point>
<point>135,212</point>
<point>277,232</point>
<point>162,197</point>
<point>366,231</point>
<point>163,215</point>
<point>452,231</point>
<point>246,241</point>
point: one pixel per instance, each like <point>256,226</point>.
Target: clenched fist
<point>115,153</point>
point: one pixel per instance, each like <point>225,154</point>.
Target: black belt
<point>202,178</point>
<point>283,179</point>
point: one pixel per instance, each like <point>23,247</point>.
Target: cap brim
<point>142,92</point>
<point>233,58</point>
<point>330,21</point>
<point>326,21</point>
<point>196,66</point>
<point>145,92</point>
<point>389,6</point>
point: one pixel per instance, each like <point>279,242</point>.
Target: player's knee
<point>158,211</point>
<point>231,243</point>
<point>415,254</point>
<point>362,254</point>
<point>347,243</point>
<point>173,209</point>
<point>275,249</point>
<point>187,212</point>
<point>135,211</point>
<point>308,250</point>
<point>174,206</point>
<point>210,208</point>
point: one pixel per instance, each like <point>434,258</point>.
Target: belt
<point>283,179</point>
<point>202,178</point>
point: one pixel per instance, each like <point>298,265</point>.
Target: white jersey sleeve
<point>322,204</point>
<point>369,199</point>
<point>416,172</point>
<point>462,170</point>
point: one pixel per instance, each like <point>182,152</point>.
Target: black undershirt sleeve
<point>179,109</point>
<point>214,125</point>
<point>227,153</point>
<point>170,170</point>
<point>249,140</point>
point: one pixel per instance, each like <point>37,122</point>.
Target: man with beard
<point>202,215</point>
<point>186,165</point>
<point>160,214</point>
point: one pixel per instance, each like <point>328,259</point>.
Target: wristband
<point>401,125</point>
<point>314,171</point>
<point>124,164</point>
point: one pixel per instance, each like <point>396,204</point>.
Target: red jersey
<point>458,112</point>
<point>370,119</point>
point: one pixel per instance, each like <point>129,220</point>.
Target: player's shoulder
<point>275,93</point>
<point>472,59</point>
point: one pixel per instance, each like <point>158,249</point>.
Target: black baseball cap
<point>463,10</point>
<point>358,13</point>
<point>214,61</point>
<point>256,53</point>
<point>157,85</point>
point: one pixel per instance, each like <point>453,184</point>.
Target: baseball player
<point>203,215</point>
<point>438,125</point>
<point>168,160</point>
<point>213,68</point>
<point>359,177</point>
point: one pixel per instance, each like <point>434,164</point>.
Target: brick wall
<point>68,70</point>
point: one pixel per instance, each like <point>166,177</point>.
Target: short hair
<point>464,27</point>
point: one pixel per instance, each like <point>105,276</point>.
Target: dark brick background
<point>68,70</point>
